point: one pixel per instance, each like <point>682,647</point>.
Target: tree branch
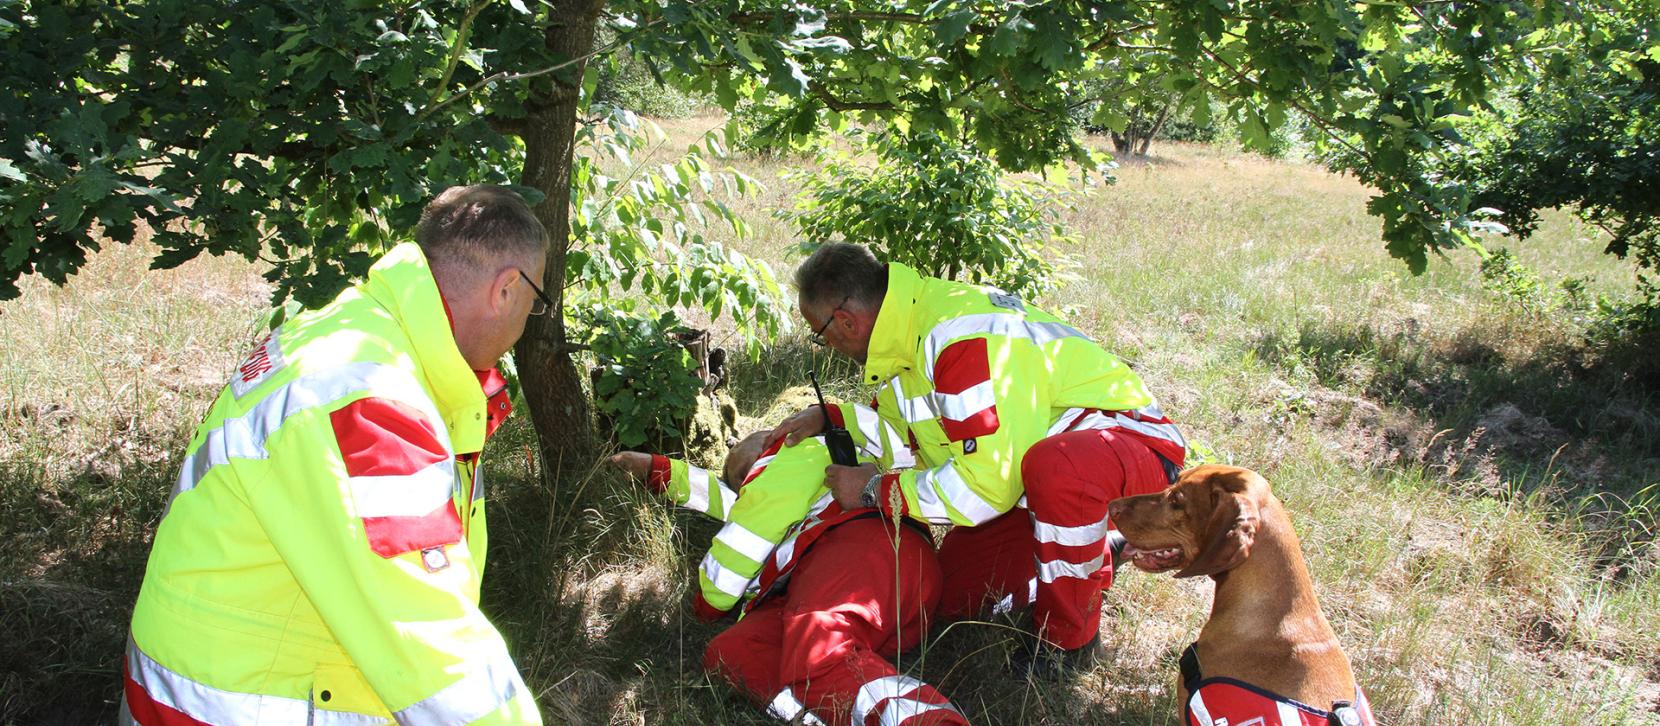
<point>461,37</point>
<point>505,76</point>
<point>1111,38</point>
<point>837,104</point>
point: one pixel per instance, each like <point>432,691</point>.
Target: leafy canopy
<point>1382,81</point>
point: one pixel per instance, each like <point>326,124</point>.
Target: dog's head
<point>1204,524</point>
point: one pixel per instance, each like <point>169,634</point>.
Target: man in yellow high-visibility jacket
<point>1021,427</point>
<point>321,554</point>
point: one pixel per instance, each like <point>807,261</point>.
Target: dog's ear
<point>1232,528</point>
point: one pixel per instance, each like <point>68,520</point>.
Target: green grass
<point>1476,494</point>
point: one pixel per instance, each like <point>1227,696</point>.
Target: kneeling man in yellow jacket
<point>320,558</point>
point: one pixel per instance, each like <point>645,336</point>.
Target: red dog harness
<point>1230,702</point>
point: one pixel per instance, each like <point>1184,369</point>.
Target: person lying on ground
<point>825,595</point>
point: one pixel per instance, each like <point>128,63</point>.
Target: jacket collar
<point>893,340</point>
<point>403,284</point>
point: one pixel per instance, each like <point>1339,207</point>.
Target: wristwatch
<point>867,498</point>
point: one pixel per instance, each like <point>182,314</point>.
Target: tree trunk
<point>553,385</point>
<point>1158,126</point>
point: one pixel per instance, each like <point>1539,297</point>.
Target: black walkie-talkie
<point>836,438</point>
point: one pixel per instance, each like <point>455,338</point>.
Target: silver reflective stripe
<point>697,489</point>
<point>320,717</point>
<point>1064,421</point>
<point>744,542</point>
<point>206,703</point>
<point>900,710</point>
<point>727,498</point>
<point>874,431</point>
<point>1096,420</point>
<point>785,552</point>
<point>918,409</point>
<point>1289,716</point>
<point>1165,431</point>
<point>724,579</point>
<point>876,691</point>
<point>1069,536</point>
<point>1055,569</point>
<point>1002,324</point>
<point>787,707</point>
<point>1196,706</point>
<point>760,464</point>
<point>901,449</point>
<point>409,495</point>
<point>488,686</point>
<point>955,492</point>
<point>960,406</point>
<point>928,502</point>
<point>824,501</point>
<point>244,436</point>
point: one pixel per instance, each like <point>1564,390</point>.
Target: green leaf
<point>953,26</point>
<point>787,77</point>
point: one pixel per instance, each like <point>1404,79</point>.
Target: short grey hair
<point>840,270</point>
<point>466,227</point>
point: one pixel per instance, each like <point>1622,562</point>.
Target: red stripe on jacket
<point>381,437</point>
<point>146,710</point>
<point>961,366</point>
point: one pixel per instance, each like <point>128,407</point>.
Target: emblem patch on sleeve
<point>970,446</point>
<point>265,359</point>
<point>1005,300</point>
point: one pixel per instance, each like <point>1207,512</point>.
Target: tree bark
<point>553,385</point>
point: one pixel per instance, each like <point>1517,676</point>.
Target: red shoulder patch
<point>402,476</point>
<point>962,390</point>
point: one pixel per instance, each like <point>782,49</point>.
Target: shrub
<point>943,208</point>
<point>645,381</point>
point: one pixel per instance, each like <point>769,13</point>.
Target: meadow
<point>1475,489</point>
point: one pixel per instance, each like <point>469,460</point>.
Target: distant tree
<point>1584,133</point>
<point>310,133</point>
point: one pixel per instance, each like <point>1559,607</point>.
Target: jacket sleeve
<point>990,419</point>
<point>691,487</point>
<point>360,507</point>
<point>875,438</point>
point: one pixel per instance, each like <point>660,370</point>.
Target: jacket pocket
<point>340,695</point>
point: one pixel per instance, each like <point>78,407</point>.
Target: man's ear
<point>501,290</point>
<point>1232,530</point>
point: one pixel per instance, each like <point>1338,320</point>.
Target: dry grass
<point>1470,494</point>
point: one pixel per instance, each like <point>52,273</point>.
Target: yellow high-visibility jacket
<point>971,378</point>
<point>779,508</point>
<point>321,555</point>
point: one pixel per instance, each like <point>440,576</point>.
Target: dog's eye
<point>1176,501</point>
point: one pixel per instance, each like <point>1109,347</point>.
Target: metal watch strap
<point>868,496</point>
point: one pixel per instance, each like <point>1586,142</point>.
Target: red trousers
<point>855,598</point>
<point>1052,555</point>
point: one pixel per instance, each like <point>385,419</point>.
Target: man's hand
<point>808,423</point>
<point>847,483</point>
<point>637,465</point>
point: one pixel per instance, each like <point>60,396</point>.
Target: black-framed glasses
<point>542,304</point>
<point>818,335</point>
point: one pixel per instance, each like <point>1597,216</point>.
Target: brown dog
<point>1266,631</point>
